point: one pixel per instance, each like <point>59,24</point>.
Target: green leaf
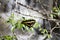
<point>18,24</point>
<point>12,15</point>
<point>59,13</point>
<point>51,15</point>
<point>13,28</point>
<point>49,35</point>
<point>40,29</point>
<point>55,9</point>
<point>11,20</point>
<point>32,29</point>
<point>36,25</point>
<point>45,31</point>
<point>26,28</point>
<point>7,37</point>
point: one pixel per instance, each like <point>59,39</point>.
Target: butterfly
<point>29,22</point>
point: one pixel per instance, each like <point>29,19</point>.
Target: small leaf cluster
<point>8,37</point>
<point>56,13</point>
<point>15,24</point>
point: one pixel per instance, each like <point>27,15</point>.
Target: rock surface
<point>5,28</point>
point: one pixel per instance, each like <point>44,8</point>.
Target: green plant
<point>28,25</point>
<point>8,37</point>
<point>55,9</point>
<point>20,24</point>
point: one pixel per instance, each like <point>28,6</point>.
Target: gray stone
<point>5,29</point>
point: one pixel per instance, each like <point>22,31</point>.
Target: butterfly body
<point>29,22</point>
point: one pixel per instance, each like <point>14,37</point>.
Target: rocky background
<point>32,9</point>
